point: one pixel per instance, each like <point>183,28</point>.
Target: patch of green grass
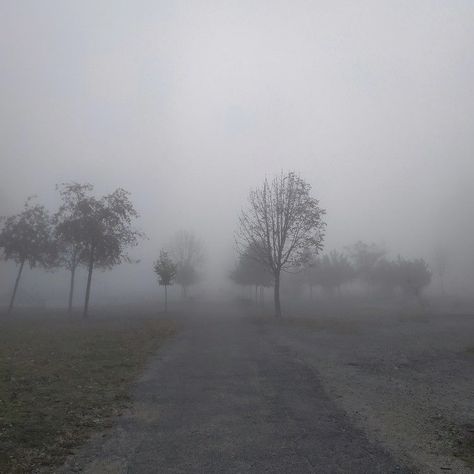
<point>61,379</point>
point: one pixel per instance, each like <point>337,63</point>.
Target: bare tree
<point>188,253</point>
<point>165,268</point>
<point>282,222</point>
<point>26,238</point>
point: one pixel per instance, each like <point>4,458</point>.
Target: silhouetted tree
<point>69,229</point>
<point>251,272</point>
<point>385,276</point>
<point>165,268</point>
<point>105,232</point>
<point>331,271</point>
<point>281,222</point>
<point>188,253</point>
<point>26,238</point>
<point>364,258</point>
<point>413,276</point>
<point>409,276</point>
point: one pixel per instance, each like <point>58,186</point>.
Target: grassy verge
<point>61,379</point>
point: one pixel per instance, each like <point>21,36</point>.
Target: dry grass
<point>62,379</point>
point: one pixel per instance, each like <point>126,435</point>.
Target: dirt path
<point>224,398</point>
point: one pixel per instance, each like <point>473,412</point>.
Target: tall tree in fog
<point>282,222</point>
<point>105,232</point>
<point>188,253</point>
<point>69,229</point>
<point>165,268</point>
<point>26,238</point>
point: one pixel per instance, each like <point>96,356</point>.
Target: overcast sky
<point>188,104</point>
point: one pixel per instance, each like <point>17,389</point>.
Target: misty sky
<point>189,104</point>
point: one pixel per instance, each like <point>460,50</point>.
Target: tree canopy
<point>100,227</point>
<point>26,237</point>
<point>165,268</point>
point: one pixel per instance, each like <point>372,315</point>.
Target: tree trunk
<point>166,298</point>
<point>17,281</point>
<point>277,295</point>
<point>71,288</point>
<point>89,279</point>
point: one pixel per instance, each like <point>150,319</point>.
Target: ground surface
<point>229,394</point>
<point>406,379</point>
<point>62,378</point>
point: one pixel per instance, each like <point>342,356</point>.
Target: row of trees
<point>91,232</point>
<point>85,230</point>
<point>364,263</point>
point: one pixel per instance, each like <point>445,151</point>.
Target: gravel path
<point>226,397</point>
<point>406,382</point>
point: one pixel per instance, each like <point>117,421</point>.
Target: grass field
<point>61,379</point>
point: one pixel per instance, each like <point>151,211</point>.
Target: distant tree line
<point>281,230</point>
<point>368,264</point>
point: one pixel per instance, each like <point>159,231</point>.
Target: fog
<point>189,105</point>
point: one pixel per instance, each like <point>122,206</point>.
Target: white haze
<point>189,104</point>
